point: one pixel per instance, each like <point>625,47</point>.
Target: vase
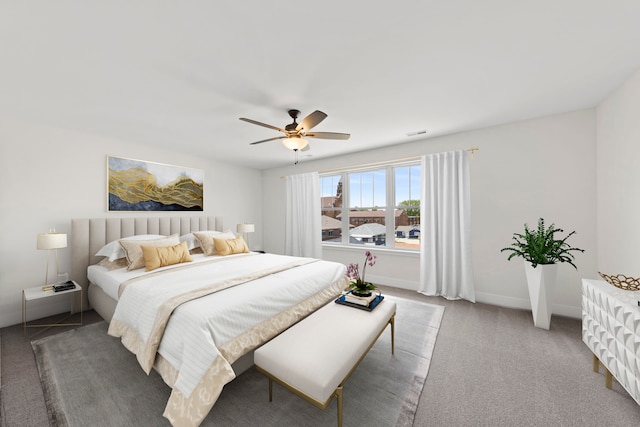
<point>541,282</point>
<point>357,293</point>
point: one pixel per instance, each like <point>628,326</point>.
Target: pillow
<point>161,256</point>
<point>114,251</point>
<point>113,265</point>
<point>206,240</point>
<point>230,246</point>
<point>192,241</point>
<point>134,253</point>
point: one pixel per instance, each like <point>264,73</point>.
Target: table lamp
<point>48,241</point>
<point>244,229</point>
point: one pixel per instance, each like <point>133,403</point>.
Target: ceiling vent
<point>420,132</point>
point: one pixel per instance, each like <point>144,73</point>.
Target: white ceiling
<point>181,73</point>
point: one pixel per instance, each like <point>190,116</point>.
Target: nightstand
<point>37,293</point>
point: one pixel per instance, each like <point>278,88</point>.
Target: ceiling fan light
<point>295,143</point>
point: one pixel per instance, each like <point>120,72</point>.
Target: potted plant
<point>358,286</point>
<point>541,251</point>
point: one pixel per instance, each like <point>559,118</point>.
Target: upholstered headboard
<point>90,234</point>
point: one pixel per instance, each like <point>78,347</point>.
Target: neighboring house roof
<point>329,223</point>
<point>368,230</point>
<point>352,241</point>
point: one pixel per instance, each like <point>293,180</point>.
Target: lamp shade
<point>294,142</point>
<point>246,228</point>
<point>52,241</point>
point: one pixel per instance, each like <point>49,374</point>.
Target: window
<point>374,206</point>
<point>407,201</point>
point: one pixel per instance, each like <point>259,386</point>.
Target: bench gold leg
<point>270,390</point>
<point>339,401</point>
<point>393,334</point>
<point>596,364</point>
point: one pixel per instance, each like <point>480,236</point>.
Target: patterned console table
<point>611,329</point>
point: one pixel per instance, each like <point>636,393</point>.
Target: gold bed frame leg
<point>339,401</point>
<point>596,364</point>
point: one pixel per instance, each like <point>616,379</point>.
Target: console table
<point>611,329</point>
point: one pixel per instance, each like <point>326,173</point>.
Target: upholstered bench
<point>315,357</point>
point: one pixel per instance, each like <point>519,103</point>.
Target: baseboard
<point>524,304</point>
<point>35,310</point>
<point>483,297</point>
<point>393,282</point>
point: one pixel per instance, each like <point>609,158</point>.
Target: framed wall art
<point>138,185</point>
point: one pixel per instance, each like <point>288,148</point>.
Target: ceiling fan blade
<point>262,124</point>
<point>328,135</point>
<point>311,120</point>
<point>267,140</point>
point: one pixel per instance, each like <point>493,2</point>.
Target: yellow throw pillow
<point>230,246</point>
<point>161,256</point>
<point>134,253</point>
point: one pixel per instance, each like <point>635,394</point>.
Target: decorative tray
<point>621,281</point>
<point>370,307</point>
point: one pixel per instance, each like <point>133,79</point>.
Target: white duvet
<point>256,288</point>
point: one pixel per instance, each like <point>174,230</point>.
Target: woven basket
<point>621,281</point>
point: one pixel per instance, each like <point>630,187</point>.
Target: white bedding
<point>109,280</point>
<point>217,328</point>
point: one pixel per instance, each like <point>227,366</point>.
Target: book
<point>359,300</point>
<point>65,286</point>
<point>378,298</point>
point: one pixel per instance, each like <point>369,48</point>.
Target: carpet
<point>89,378</point>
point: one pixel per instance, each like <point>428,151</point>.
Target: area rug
<point>89,378</point>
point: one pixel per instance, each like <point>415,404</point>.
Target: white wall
<point>542,167</point>
<point>526,170</point>
<point>618,154</point>
<point>51,175</point>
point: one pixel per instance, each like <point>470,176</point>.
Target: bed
<point>198,322</point>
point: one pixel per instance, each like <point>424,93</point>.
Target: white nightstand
<point>36,293</point>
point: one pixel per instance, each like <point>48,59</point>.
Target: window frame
<point>390,206</point>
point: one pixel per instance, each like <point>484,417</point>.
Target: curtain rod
<point>387,162</point>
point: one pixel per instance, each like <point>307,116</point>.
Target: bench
<point>315,357</point>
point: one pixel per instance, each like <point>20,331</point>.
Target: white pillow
<point>113,250</point>
<point>206,239</point>
<point>133,248</point>
<point>191,239</point>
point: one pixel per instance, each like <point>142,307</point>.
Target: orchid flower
<point>353,273</point>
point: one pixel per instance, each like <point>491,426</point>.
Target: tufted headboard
<point>88,235</point>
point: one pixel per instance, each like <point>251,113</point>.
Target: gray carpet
<point>88,378</point>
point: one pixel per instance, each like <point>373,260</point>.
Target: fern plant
<point>540,246</point>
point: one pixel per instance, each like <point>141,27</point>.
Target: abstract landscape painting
<point>137,185</point>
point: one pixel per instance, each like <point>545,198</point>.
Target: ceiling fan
<point>295,133</point>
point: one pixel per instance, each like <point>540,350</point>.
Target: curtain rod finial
<point>473,151</point>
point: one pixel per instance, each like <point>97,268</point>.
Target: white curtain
<point>445,220</point>
<point>303,230</point>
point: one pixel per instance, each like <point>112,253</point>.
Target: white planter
<point>541,281</point>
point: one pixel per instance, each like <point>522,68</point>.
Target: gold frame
<point>71,292</point>
<point>178,170</point>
